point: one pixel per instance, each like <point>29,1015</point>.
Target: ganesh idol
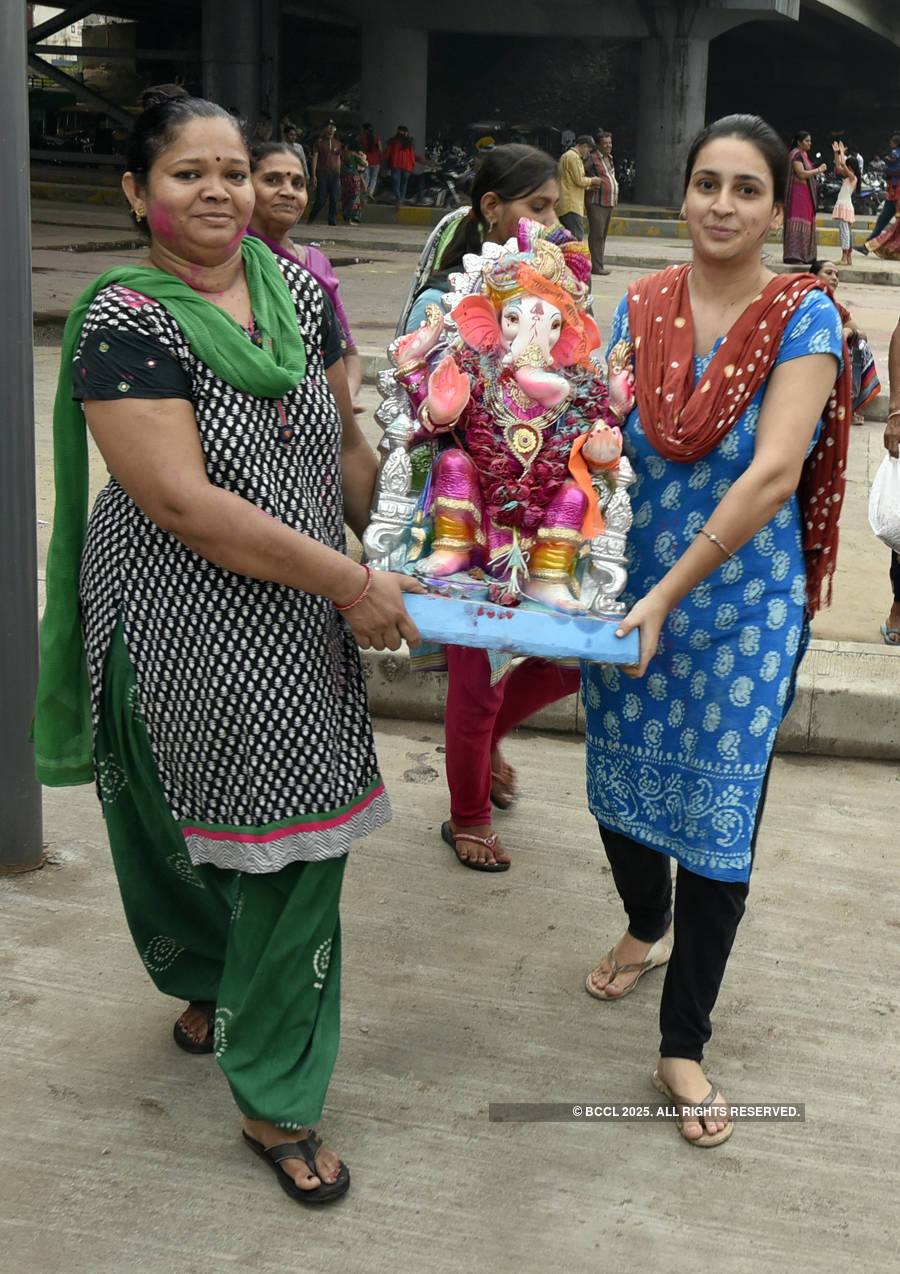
<point>519,429</point>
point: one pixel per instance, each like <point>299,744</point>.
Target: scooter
<point>867,198</point>
<point>438,188</point>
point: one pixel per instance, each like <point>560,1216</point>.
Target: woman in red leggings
<point>478,717</point>
<point>482,707</point>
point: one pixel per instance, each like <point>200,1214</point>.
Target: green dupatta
<point>62,731</point>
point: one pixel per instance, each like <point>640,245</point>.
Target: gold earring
<point>139,212</point>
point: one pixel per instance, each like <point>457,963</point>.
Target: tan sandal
<point>706,1139</point>
<point>657,955</point>
<point>489,842</point>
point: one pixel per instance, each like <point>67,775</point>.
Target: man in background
<point>573,182</point>
<point>601,199</point>
<point>326,173</point>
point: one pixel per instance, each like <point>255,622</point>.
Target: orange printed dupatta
<point>684,421</point>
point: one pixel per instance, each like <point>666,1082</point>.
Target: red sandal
<point>489,842</point>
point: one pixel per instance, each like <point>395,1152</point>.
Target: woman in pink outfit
<point>800,206</point>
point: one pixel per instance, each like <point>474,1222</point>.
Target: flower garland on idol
<point>516,496</point>
<point>516,492</point>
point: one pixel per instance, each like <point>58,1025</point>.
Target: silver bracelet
<point>896,412</point>
<point>718,543</point>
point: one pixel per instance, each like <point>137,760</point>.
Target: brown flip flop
<point>657,955</point>
<point>706,1139</point>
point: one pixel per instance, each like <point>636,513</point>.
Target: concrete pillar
<point>394,80</point>
<point>270,61</point>
<point>671,111</point>
<point>232,54</point>
<point>20,796</point>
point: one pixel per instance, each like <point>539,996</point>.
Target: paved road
<point>122,1154</point>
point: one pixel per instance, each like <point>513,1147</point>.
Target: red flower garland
<point>514,497</point>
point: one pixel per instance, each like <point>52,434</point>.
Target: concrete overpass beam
<point>880,18</point>
<point>674,74</point>
<point>394,80</point>
<point>672,110</point>
<point>270,61</point>
<point>232,54</point>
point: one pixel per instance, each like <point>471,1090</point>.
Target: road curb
<point>847,701</point>
<point>877,277</point>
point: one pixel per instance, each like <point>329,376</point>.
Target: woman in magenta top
<point>281,193</point>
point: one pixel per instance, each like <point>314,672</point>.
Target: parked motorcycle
<point>444,185</point>
<point>867,198</point>
<point>626,174</point>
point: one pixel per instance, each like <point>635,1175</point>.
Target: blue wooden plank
<point>521,630</point>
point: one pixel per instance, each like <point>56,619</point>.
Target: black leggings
<point>707,914</point>
<point>895,576</point>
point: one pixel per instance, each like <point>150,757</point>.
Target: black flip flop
<point>447,835</point>
<point>208,1043</point>
<point>307,1149</point>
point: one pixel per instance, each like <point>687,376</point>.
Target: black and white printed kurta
<point>252,692</point>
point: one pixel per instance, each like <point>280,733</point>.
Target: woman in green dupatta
<point>200,642</point>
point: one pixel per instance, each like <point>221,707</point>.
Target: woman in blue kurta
<point>736,499</point>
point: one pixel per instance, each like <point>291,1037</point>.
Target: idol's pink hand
<point>620,386</point>
<point>603,447</point>
<point>448,393</point>
<point>544,387</point>
<point>418,344</point>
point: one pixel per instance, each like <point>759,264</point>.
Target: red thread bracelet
<point>370,574</point>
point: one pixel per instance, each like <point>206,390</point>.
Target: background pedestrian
<point>573,182</point>
<point>801,202</point>
<point>326,173</point>
<point>600,200</point>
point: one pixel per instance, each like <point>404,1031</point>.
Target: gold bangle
<point>718,543</point>
<point>406,369</point>
<point>425,419</point>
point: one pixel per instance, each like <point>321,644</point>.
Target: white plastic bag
<point>884,503</point>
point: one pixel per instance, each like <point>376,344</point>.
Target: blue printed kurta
<point>676,760</point>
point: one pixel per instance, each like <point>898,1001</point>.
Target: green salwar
<point>265,947</point>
